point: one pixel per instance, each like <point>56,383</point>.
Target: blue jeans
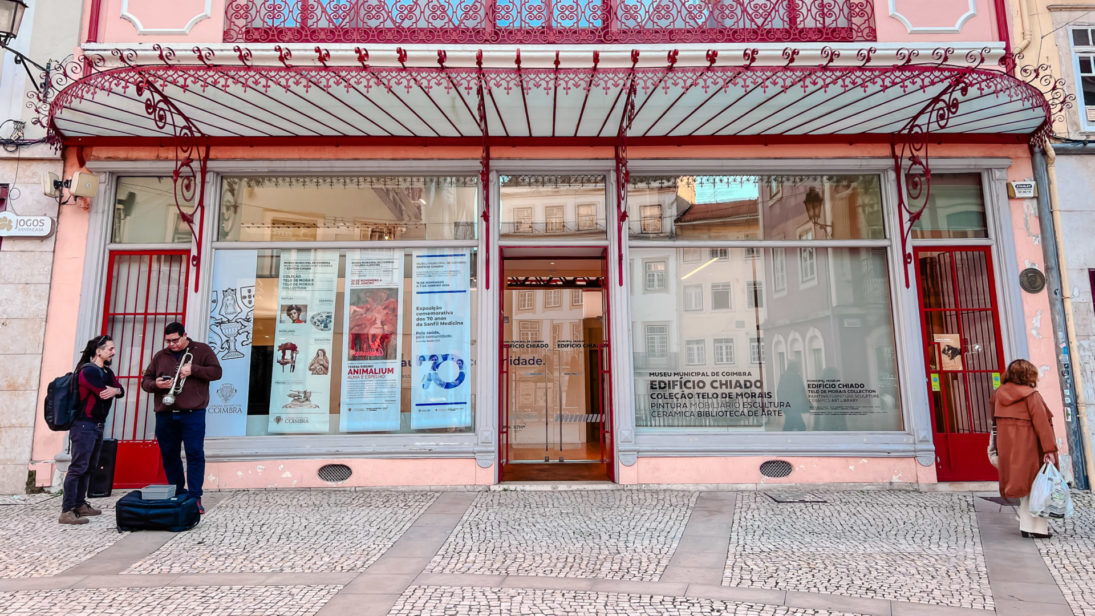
<point>182,430</point>
<point>87,439</point>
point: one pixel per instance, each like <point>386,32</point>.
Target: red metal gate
<point>963,353</point>
<point>145,291</point>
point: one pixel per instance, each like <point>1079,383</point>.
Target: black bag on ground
<point>62,402</point>
<point>102,476</point>
<point>174,514</point>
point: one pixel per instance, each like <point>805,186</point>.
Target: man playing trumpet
<point>178,377</point>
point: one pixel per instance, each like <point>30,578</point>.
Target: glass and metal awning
<point>769,94</point>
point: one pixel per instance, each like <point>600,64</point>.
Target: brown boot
<point>85,509</point>
<point>70,517</point>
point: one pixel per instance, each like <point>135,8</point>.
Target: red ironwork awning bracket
<point>912,165</point>
<point>484,161</point>
<point>191,163</point>
<point>622,174</point>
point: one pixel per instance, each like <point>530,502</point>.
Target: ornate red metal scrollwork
<point>622,174</point>
<point>191,163</point>
<point>484,161</point>
<point>548,21</point>
<point>911,163</point>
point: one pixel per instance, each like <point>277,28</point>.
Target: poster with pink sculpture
<point>371,375</point>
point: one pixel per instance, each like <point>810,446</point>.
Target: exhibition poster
<point>300,389</point>
<point>370,349</point>
<point>231,325</point>
<point>441,339</point>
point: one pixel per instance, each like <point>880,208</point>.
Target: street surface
<point>617,551</point>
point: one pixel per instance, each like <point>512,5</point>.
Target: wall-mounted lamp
<point>813,203</point>
<point>11,18</point>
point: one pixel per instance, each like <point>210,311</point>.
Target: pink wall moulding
<point>158,17</point>
<point>921,17</point>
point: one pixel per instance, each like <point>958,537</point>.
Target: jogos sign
<point>25,226</point>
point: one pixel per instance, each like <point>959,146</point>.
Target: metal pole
<point>1057,316</point>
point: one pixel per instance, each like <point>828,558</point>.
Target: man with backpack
<point>98,387</point>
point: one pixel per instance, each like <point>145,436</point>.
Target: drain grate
<point>334,473</point>
<point>794,496</point>
<point>775,468</point>
<point>1000,500</point>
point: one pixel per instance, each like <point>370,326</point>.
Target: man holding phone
<point>180,424</point>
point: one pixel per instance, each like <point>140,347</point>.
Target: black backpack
<point>62,401</point>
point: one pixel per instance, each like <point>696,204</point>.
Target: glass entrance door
<point>554,357</point>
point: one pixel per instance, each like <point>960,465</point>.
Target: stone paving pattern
<point>607,534</point>
<point>573,552</point>
<point>447,600</point>
<point>897,545</point>
<point>33,544</point>
<point>176,601</point>
<point>273,531</point>
<point>1070,554</point>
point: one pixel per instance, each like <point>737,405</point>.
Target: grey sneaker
<point>70,517</point>
<point>85,509</point>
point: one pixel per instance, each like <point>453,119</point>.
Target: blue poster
<point>231,323</point>
<point>441,339</point>
<point>371,374</point>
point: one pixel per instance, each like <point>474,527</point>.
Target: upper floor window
<point>1083,45</point>
<point>546,21</point>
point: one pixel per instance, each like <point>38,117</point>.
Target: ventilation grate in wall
<point>334,473</point>
<point>775,468</point>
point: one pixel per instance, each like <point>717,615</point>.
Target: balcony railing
<point>548,21</point>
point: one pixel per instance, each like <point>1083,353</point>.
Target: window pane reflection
<point>824,362</point>
<point>744,207</point>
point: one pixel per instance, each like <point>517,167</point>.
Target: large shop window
<point>341,208</point>
<point>343,340</point>
<point>812,350</point>
<point>374,338</point>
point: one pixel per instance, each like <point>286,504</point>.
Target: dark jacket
<point>1024,435</point>
<point>204,368</point>
<point>93,380</point>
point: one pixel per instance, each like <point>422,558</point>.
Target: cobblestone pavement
<point>270,531</point>
<point>609,534</point>
<point>1070,554</point>
<point>568,552</point>
<point>176,601</point>
<point>446,600</point>
<point>903,546</point>
<point>33,544</point>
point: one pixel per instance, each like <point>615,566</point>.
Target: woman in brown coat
<point>1024,439</point>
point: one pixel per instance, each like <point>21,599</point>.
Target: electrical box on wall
<point>1026,189</point>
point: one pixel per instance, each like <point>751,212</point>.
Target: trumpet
<point>177,383</point>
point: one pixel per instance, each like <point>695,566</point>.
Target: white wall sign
<point>25,226</point>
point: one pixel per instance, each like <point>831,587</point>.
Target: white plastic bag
<point>1049,495</point>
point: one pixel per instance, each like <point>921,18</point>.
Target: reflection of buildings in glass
<point>547,369</point>
<point>350,208</point>
<point>559,206</point>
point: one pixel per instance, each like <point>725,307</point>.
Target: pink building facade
<point>642,242</point>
